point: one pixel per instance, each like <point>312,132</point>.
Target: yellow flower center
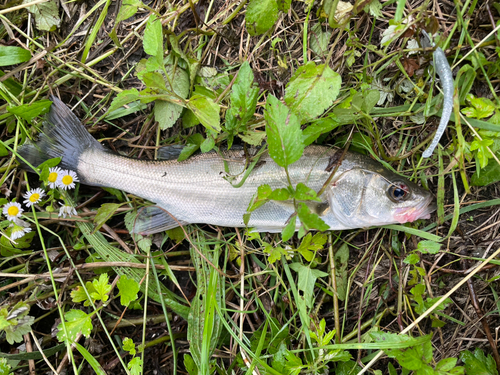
<point>67,180</point>
<point>34,197</point>
<point>52,177</point>
<point>13,211</point>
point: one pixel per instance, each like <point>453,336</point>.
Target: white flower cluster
<point>64,179</point>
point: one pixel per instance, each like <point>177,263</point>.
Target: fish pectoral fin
<point>170,152</point>
<point>154,219</point>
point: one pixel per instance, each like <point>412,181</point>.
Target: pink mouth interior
<point>406,215</point>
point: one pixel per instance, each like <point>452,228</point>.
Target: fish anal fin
<point>154,219</point>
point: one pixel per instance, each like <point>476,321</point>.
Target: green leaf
<point>284,135</point>
<point>488,175</point>
<point>322,126</point>
<point>428,247</point>
<point>44,167</point>
<point>481,107</point>
<point>123,98</point>
<point>128,344</point>
<point>446,364</point>
<point>167,113</point>
<point>311,90</point>
<point>482,153</point>
<point>128,290</point>
<point>135,366</point>
<point>5,368</point>
<point>413,258</point>
<point>78,295</point>
<point>13,55</point>
<point>101,288</point>
<point>76,321</point>
<point>310,245</point>
<point>261,197</point>
<point>104,213</point>
<point>193,144</point>
<point>190,365</point>
<point>29,112</point>
<point>153,38</point>
<point>289,229</point>
<point>14,333</point>
<point>305,193</point>
<point>206,110</point>
<point>244,95</point>
<point>307,279</point>
<point>261,15</point>
<point>478,363</point>
<point>275,252</point>
<point>311,220</point>
<point>46,15</point>
<point>128,9</point>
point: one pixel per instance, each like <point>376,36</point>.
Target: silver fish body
<point>200,189</point>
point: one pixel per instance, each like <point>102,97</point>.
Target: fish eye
<point>398,192</point>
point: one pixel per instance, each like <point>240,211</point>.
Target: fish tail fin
<point>62,136</point>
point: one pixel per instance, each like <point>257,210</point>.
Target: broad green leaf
<point>413,258</point>
<point>446,364</point>
<point>167,113</point>
<point>428,247</point>
<point>46,15</point>
<point>261,15</point>
<point>305,193</point>
<point>261,197</point>
<point>128,290</point>
<point>480,107</point>
<point>14,333</point>
<point>289,229</point>
<point>10,55</point>
<point>310,245</point>
<point>104,213</point>
<point>128,9</point>
<point>319,39</point>
<point>5,368</point>
<point>488,175</point>
<point>244,95</point>
<point>153,38</point>
<point>311,220</point>
<point>44,167</point>
<point>76,321</point>
<point>322,126</point>
<point>482,154</point>
<point>193,144</point>
<point>123,98</point>
<point>307,280</point>
<point>311,90</point>
<point>275,252</point>
<point>478,363</point>
<point>206,110</point>
<point>284,135</point>
<point>29,112</point>
<point>190,366</point>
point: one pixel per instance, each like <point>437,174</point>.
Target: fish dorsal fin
<point>170,152</point>
<point>154,219</point>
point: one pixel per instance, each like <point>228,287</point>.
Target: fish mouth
<point>421,211</point>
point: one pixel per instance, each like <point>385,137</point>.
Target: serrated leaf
<point>243,100</point>
<point>206,110</point>
<point>167,113</point>
<point>153,38</point>
<point>10,55</point>
<point>29,112</point>
<point>310,220</point>
<point>413,258</point>
<point>76,321</point>
<point>101,288</point>
<point>46,15</point>
<point>128,290</point>
<point>311,90</point>
<point>284,135</point>
<point>478,363</point>
<point>14,333</point>
<point>305,193</point>
<point>260,16</point>
<point>135,366</point>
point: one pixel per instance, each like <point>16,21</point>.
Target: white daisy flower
<point>12,210</point>
<point>19,229</point>
<point>66,210</point>
<point>67,180</point>
<point>54,174</point>
<point>33,196</point>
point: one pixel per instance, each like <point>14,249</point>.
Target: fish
<point>201,189</point>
